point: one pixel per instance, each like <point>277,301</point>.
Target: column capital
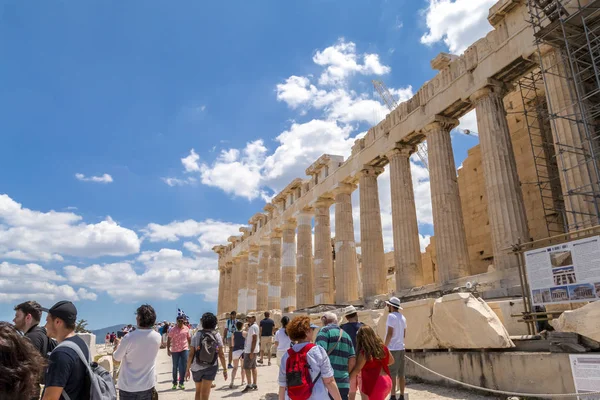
<point>291,223</point>
<point>346,188</point>
<point>440,122</point>
<point>305,211</point>
<point>275,233</point>
<point>400,150</point>
<point>369,170</point>
<point>323,202</point>
<point>492,88</point>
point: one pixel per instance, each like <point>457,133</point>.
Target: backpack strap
<point>336,343</point>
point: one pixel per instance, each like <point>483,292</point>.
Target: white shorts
<point>237,354</point>
<point>280,354</point>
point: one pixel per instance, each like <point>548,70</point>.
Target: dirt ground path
<point>268,388</point>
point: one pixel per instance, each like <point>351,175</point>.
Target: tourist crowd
<point>332,361</point>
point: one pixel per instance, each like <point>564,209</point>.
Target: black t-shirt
<point>267,326</point>
<point>351,328</point>
<point>66,370</point>
<point>37,336</point>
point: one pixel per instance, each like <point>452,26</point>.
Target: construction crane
<point>391,104</point>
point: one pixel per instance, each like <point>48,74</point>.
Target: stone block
<point>420,333</point>
<point>90,340</point>
<point>461,321</point>
<point>106,362</point>
<point>584,321</point>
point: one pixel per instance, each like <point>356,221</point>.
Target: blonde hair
<point>369,343</point>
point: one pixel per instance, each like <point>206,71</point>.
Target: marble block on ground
<point>584,321</point>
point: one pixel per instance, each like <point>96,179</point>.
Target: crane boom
<point>391,104</point>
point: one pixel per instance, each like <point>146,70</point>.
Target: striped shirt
<point>327,338</point>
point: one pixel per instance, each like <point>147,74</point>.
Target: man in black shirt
<point>266,334</point>
<point>66,372</point>
<point>27,320</point>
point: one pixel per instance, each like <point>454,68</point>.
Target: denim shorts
<point>206,374</point>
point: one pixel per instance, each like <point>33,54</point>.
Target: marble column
<point>222,277</point>
<point>252,278</point>
<point>346,268</point>
<point>275,271</point>
<point>304,261</point>
<point>235,283</point>
<point>323,260</point>
<point>448,225</point>
<point>288,267</point>
<point>228,295</point>
<point>262,284</point>
<point>371,234</point>
<point>242,304</point>
<point>506,209</point>
<point>575,173</point>
<point>407,249</point>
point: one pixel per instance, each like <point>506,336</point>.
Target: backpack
<point>102,386</point>
<point>207,351</point>
<point>297,374</point>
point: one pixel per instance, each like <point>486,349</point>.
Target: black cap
<point>64,310</point>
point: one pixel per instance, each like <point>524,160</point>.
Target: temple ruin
<point>533,174</point>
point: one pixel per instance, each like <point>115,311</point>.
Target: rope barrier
<point>545,395</point>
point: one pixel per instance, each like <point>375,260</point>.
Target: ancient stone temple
<point>512,188</point>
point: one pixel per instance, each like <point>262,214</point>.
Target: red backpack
<point>297,374</point>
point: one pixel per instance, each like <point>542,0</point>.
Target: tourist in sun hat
<point>394,341</point>
<point>251,349</point>
<point>351,328</point>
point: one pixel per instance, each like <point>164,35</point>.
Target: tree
<point>81,325</point>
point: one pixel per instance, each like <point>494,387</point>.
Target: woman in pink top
<point>178,346</point>
<point>372,363</point>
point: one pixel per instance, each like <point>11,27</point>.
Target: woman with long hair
<point>282,340</point>
<point>20,365</point>
<point>372,363</point>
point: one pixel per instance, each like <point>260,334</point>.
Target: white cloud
<point>468,123</point>
<point>190,163</point>
<point>105,178</point>
<point>209,233</point>
<point>166,274</point>
<point>457,22</point>
<point>341,61</point>
<point>24,282</point>
<point>179,182</point>
<point>296,91</point>
<point>34,235</point>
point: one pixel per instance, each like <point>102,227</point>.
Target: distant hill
<point>100,333</point>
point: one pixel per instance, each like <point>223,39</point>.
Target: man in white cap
<point>394,340</point>
<point>351,328</point>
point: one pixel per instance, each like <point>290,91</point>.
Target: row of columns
<point>284,274</point>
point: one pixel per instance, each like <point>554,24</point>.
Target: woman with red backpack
<point>305,372</point>
<point>373,364</point>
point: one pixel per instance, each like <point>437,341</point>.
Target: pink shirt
<point>179,339</point>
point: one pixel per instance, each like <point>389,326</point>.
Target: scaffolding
<point>535,111</point>
<point>570,29</point>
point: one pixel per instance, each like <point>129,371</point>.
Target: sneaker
<point>247,389</point>
<point>231,385</point>
<point>254,387</point>
<point>260,361</point>
<point>181,387</point>
<point>174,387</point>
<point>401,397</point>
<point>393,397</point>
<point>229,366</point>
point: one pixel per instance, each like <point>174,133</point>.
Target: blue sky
<point>137,135</point>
